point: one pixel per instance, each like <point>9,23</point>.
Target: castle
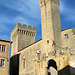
<point>54,54</point>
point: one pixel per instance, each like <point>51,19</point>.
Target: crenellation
<point>24,25</point>
<point>29,27</point>
<point>23,28</point>
<point>34,28</point>
<point>18,25</point>
<point>42,3</point>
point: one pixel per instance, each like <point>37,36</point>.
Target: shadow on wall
<point>14,65</point>
<point>68,70</point>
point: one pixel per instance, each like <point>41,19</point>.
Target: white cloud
<point>29,7</point>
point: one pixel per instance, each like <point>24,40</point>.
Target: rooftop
<point>6,41</point>
<point>67,29</point>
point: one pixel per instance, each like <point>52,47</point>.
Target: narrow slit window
<point>23,63</point>
<point>38,56</point>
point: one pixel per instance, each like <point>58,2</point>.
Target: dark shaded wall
<point>72,70</point>
<point>65,71</point>
<point>68,70</point>
<point>14,65</point>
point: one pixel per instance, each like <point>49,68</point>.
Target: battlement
<point>43,2</point>
<point>23,29</point>
<point>24,26</point>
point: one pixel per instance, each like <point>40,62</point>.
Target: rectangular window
<point>66,36</point>
<point>2,62</point>
<point>0,48</point>
<point>3,48</point>
<point>23,63</point>
<point>38,56</point>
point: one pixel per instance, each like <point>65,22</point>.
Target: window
<point>2,62</point>
<point>23,63</point>
<point>66,36</point>
<point>47,41</point>
<point>3,48</point>
<point>38,56</point>
<point>0,48</point>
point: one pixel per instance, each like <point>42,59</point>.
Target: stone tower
<point>51,24</point>
<point>22,36</point>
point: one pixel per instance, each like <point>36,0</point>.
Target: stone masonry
<point>50,55</point>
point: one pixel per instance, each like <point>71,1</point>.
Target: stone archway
<point>52,68</point>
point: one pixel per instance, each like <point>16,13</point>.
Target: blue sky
<point>28,12</point>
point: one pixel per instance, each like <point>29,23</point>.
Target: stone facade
<point>68,39</point>
<point>55,51</point>
<point>4,57</point>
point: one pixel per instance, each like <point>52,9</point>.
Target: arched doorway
<point>52,68</point>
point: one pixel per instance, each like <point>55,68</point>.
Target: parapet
<point>43,2</point>
<point>24,26</point>
<point>24,29</point>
